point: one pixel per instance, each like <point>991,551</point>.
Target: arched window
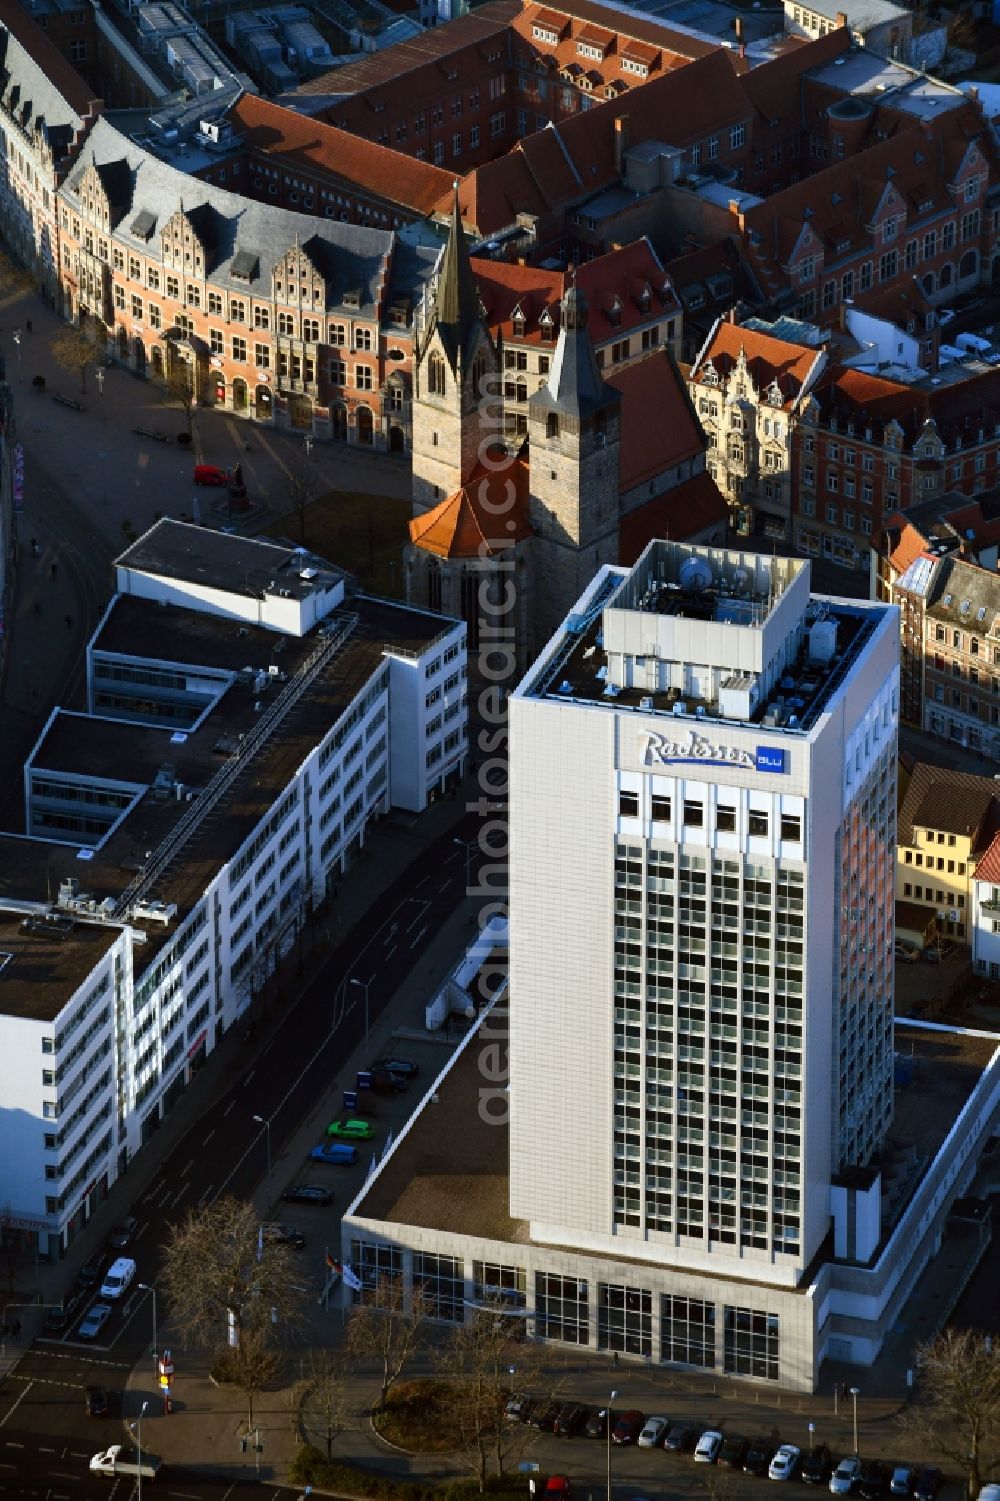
<point>552,425</point>
<point>435,375</point>
<point>434,585</point>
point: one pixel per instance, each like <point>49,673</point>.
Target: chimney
<point>743,49</point>
<point>972,93</point>
<point>738,28</point>
<point>621,142</point>
<point>841,18</point>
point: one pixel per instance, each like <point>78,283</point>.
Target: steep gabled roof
<point>774,89</point>
<point>285,135</point>
<point>988,868</point>
<point>952,802</point>
<point>686,512</point>
<point>659,429</point>
<point>768,359</point>
<point>465,524</point>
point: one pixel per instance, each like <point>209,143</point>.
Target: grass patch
<point>420,1415</point>
<point>365,534</point>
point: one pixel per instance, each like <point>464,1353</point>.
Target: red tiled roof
<point>909,547</point>
<point>768,359</point>
<point>286,135</point>
<point>478,520</point>
<point>621,274</point>
<point>659,429</point>
<point>988,868</point>
<point>958,409</point>
<point>679,515</point>
<point>774,88</point>
<point>643,28</point>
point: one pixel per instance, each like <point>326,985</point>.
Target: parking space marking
<point>208,1138</point>
<point>391,952</point>
<point>230,1106</point>
<point>11,1410</point>
<point>414,941</point>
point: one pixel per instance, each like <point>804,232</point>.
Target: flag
<point>388,1144</point>
<point>260,1244</point>
<point>234,1338</point>
<point>351,1277</point>
<point>334,1266</point>
<point>371,1170</point>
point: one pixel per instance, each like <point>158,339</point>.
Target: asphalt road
<point>62,1473</point>
<point>42,1402</point>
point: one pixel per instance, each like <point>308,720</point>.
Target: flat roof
<point>220,560</point>
<point>138,627</point>
<point>859,71</point>
<point>43,964</point>
<point>450,1172</point>
<point>31,869</point>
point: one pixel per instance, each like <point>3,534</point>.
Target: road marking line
<point>248,1078</point>
<point>416,940</point>
<point>180,1194</point>
<point>11,1410</point>
<point>153,1191</point>
<point>230,1106</point>
<point>444,888</point>
<point>204,1198</point>
<point>391,952</point>
<point>43,1449</point>
<point>186,1170</point>
<point>208,1138</point>
<point>165,1199</point>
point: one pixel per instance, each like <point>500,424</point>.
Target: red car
<point>210,474</point>
<point>557,1488</point>
<point>627,1427</point>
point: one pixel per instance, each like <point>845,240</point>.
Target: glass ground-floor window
<point>751,1343</point>
<point>562,1308</point>
<point>687,1331</point>
<point>380,1269</point>
<point>440,1281</point>
<point>624,1319</point>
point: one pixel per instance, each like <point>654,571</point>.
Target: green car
<point>350,1130</point>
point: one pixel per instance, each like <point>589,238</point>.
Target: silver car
<point>97,1316</point>
<point>846,1476</point>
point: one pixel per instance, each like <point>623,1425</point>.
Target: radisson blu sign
<point>699,750</point>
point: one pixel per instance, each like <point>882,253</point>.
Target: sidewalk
<point>392,846</point>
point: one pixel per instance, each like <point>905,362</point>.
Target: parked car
<point>210,474</point>
<point>333,1151</point>
<point>706,1450</point>
<point>596,1425</point>
<point>846,1476</point>
<point>352,1129</point>
<point>543,1416</point>
<point>92,1270</point>
<point>760,1452</point>
<point>628,1426</point>
<point>518,1408</point>
<point>123,1234</point>
<point>282,1235</point>
<point>904,953</point>
<point>733,1452</point>
<point>931,956</point>
<point>572,1416</point>
<point>384,1081</point>
<point>60,1315</point>
<point>557,1487</point>
<point>681,1439</point>
<point>97,1317</point>
<point>871,1484</point>
<point>785,1462</point>
<point>653,1432</point>
<point>404,1066</point>
<point>928,1484</point>
<point>308,1193</point>
<point>817,1466</point>
<point>902,1481</point>
<point>97,1402</point>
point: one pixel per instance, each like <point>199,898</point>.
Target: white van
<point>118,1277</point>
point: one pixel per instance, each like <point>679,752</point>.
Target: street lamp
<point>267,1138</point>
<point>466,845</point>
<point>146,1287</point>
<point>513,1372</point>
<point>855,1394</point>
<point>99,376</point>
<point>613,1396</point>
<point>138,1442</point>
<point>307,444</point>
<point>363,985</point>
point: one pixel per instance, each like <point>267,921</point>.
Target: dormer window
<point>517,323</point>
<point>547,327</point>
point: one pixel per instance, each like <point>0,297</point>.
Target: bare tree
<point>219,1273</point>
<point>75,348</point>
<point>387,1332</point>
<point>957,1407</point>
<point>304,484</point>
<point>13,278</point>
<point>478,1362</point>
<point>178,385</point>
<point>255,1363</point>
<point>325,1408</point>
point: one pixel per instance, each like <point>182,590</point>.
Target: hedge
<point>311,1467</point>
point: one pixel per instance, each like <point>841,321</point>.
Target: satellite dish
<point>695,575</point>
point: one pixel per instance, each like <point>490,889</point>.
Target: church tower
<point>574,424</point>
<point>456,394</point>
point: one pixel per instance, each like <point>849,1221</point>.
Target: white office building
<point>704,1152</point>
<point>703,851</point>
<point>249,714</point>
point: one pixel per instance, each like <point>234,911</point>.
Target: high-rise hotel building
<point>703,796</point>
<point>703,1152</point>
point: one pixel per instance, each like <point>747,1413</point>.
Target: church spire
<point>456,301</point>
<point>575,384</point>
